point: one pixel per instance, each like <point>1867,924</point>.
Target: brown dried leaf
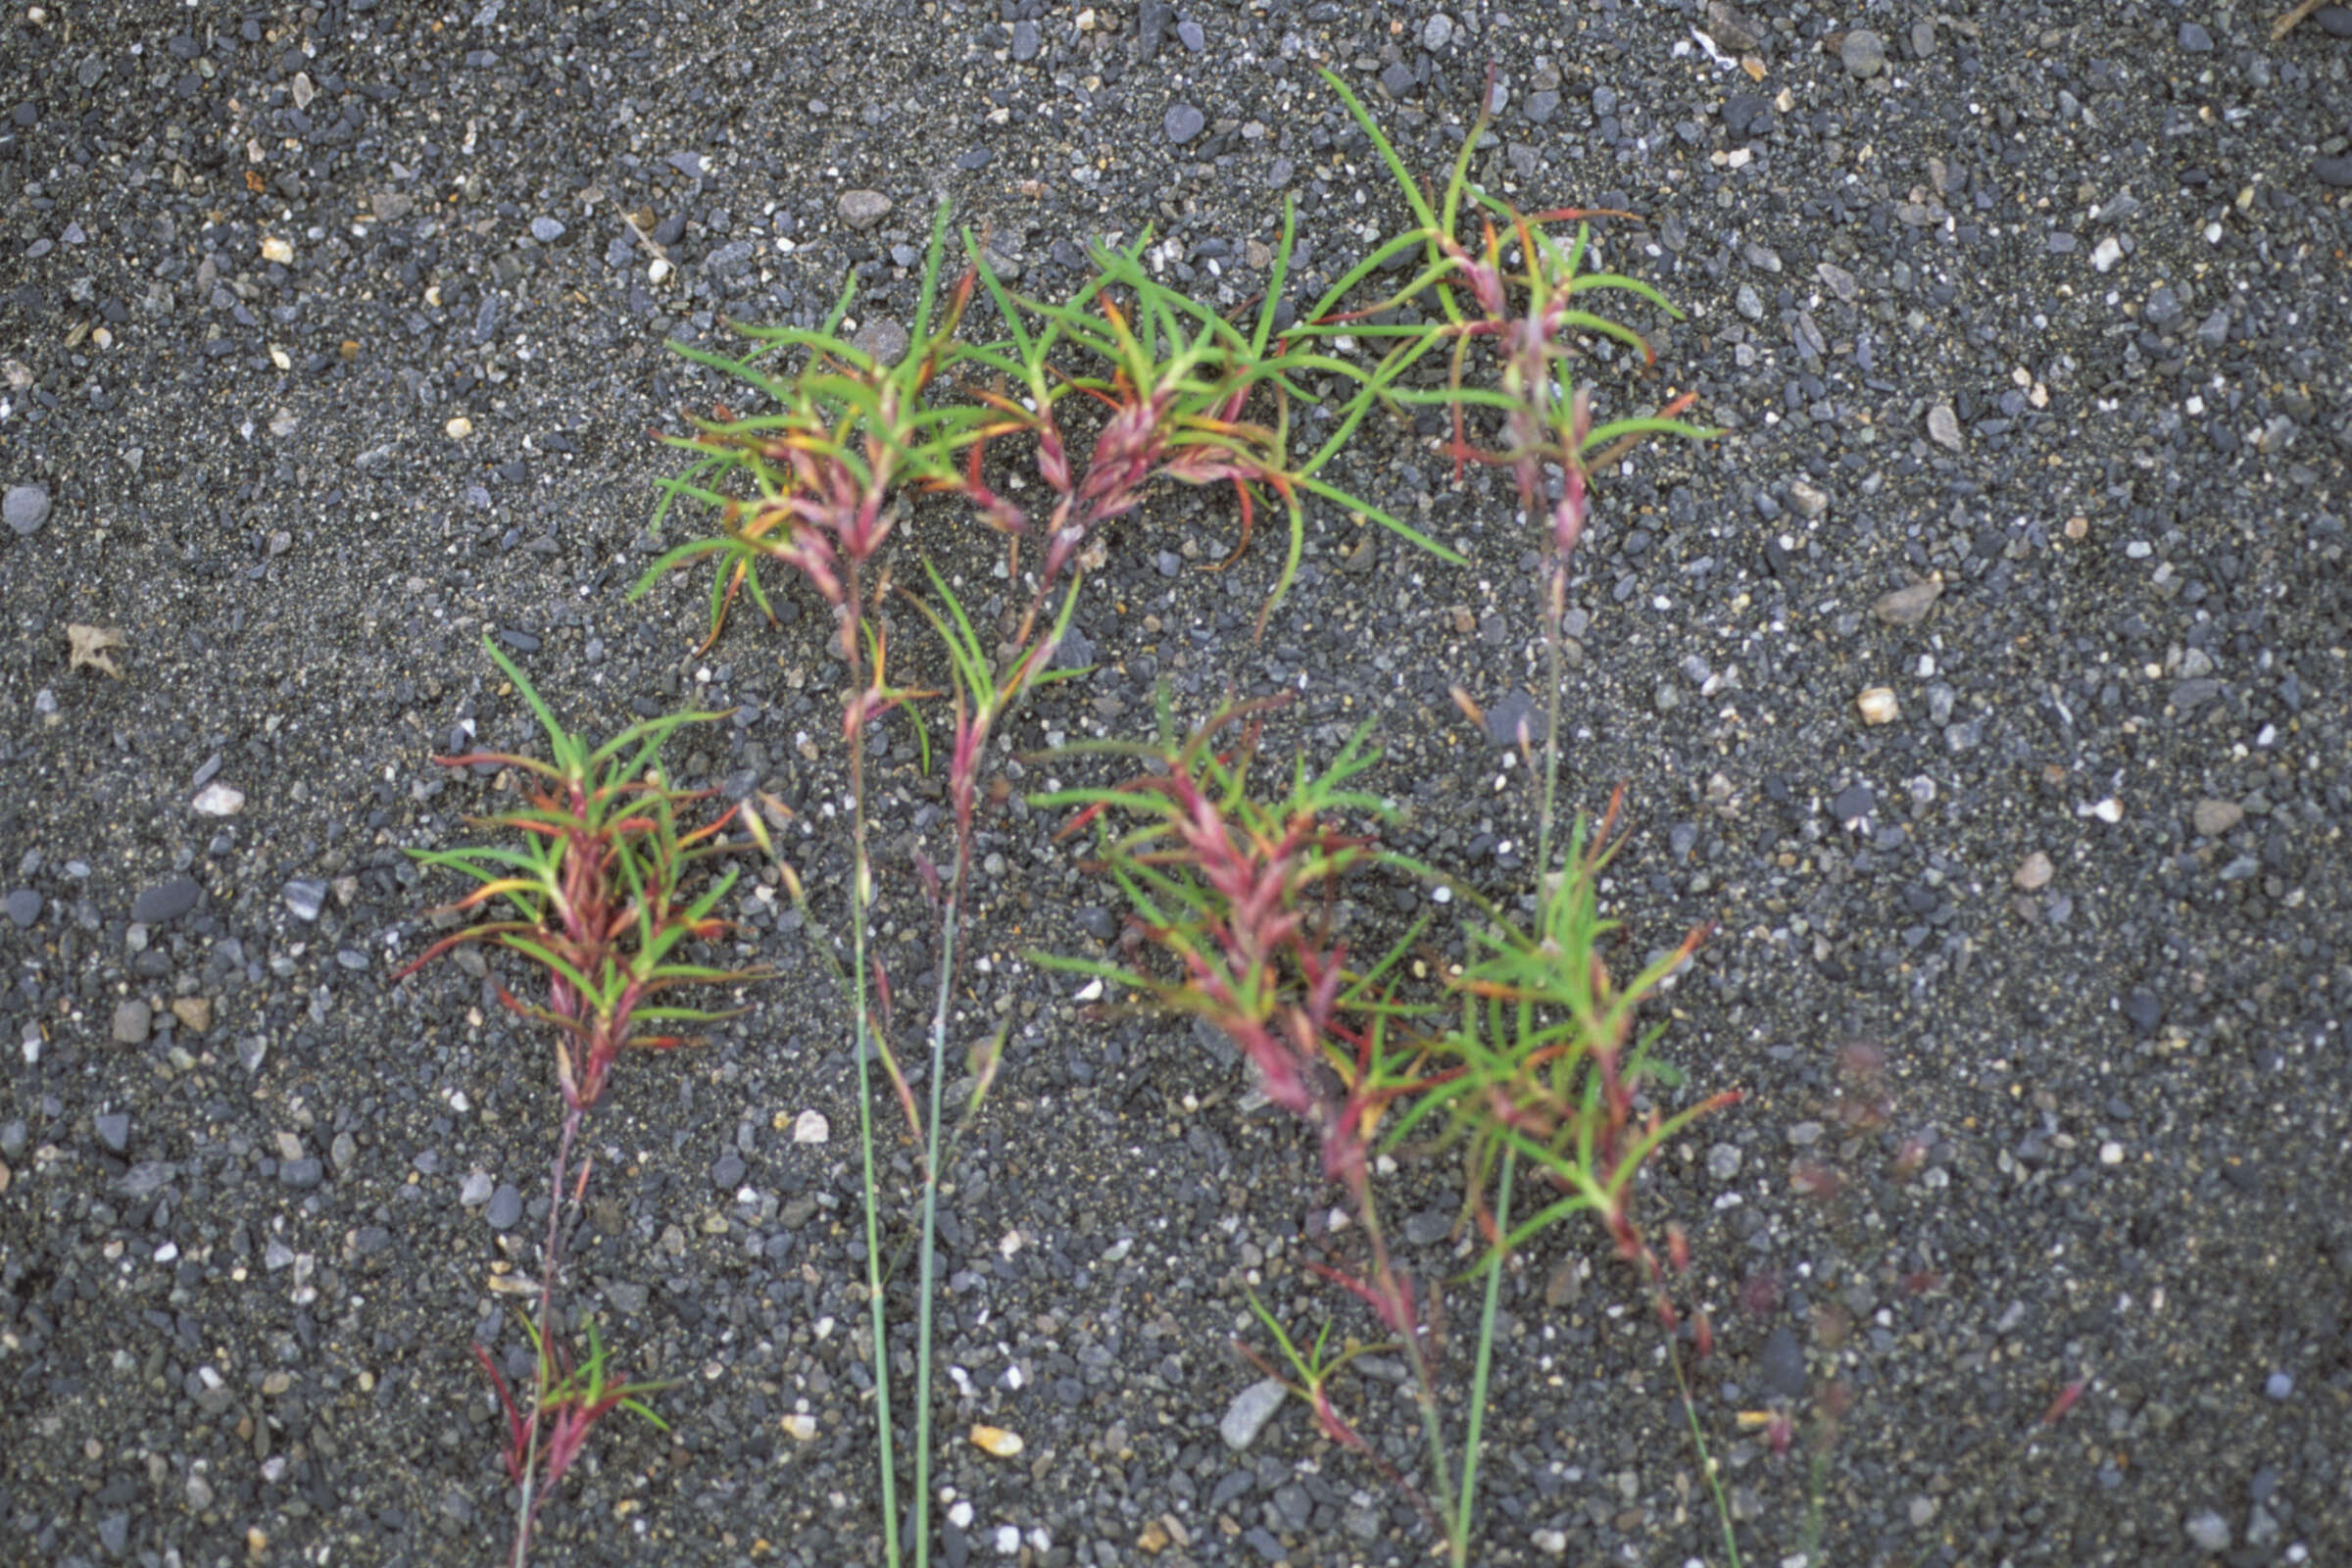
<point>89,646</point>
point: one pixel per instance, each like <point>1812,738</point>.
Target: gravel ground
<point>332,342</point>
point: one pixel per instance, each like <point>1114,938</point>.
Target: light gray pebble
<point>132,1019</point>
<point>1247,1416</point>
<point>1437,32</point>
<point>862,209</point>
<point>2208,1530</point>
<point>23,908</point>
<point>25,507</point>
<point>1723,1161</point>
<point>477,1189</point>
<point>885,339</point>
<point>305,898</point>
<point>546,230</point>
<point>1864,53</point>
<point>1181,124</point>
<point>1189,34</point>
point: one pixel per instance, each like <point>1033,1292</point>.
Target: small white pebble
<point>1878,705</point>
<point>1009,1541</point>
<point>219,800</point>
<point>810,1127</point>
<point>2111,1153</point>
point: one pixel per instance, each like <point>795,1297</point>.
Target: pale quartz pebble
<point>2033,872</point>
<point>219,800</point>
<point>459,428</point>
<point>799,1428</point>
<point>810,1127</point>
<point>1878,705</point>
<point>274,249</point>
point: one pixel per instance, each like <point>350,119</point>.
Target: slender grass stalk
<point>862,885</point>
<point>1706,1461</point>
<point>1474,1435</point>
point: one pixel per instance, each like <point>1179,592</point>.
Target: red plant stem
<point>550,1262</point>
<point>1391,1288</point>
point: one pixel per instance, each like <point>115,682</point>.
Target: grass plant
<point>595,893</point>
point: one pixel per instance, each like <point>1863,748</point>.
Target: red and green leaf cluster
<point>1546,1063</point>
<point>595,893</point>
<point>570,1399</point>
<point>1238,891</point>
<point>825,464</point>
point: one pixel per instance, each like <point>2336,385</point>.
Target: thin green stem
<point>1485,1361</point>
<point>1706,1463</point>
<point>860,883</point>
<point>926,1267</point>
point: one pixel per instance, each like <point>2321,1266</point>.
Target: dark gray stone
<point>114,1130</point>
<point>23,908</point>
<point>166,900</point>
<point>1781,1362</point>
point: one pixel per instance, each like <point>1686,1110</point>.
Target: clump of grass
<point>1543,1071</point>
<point>594,894</point>
<point>1179,381</point>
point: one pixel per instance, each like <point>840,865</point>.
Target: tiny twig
<point>2294,19</point>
